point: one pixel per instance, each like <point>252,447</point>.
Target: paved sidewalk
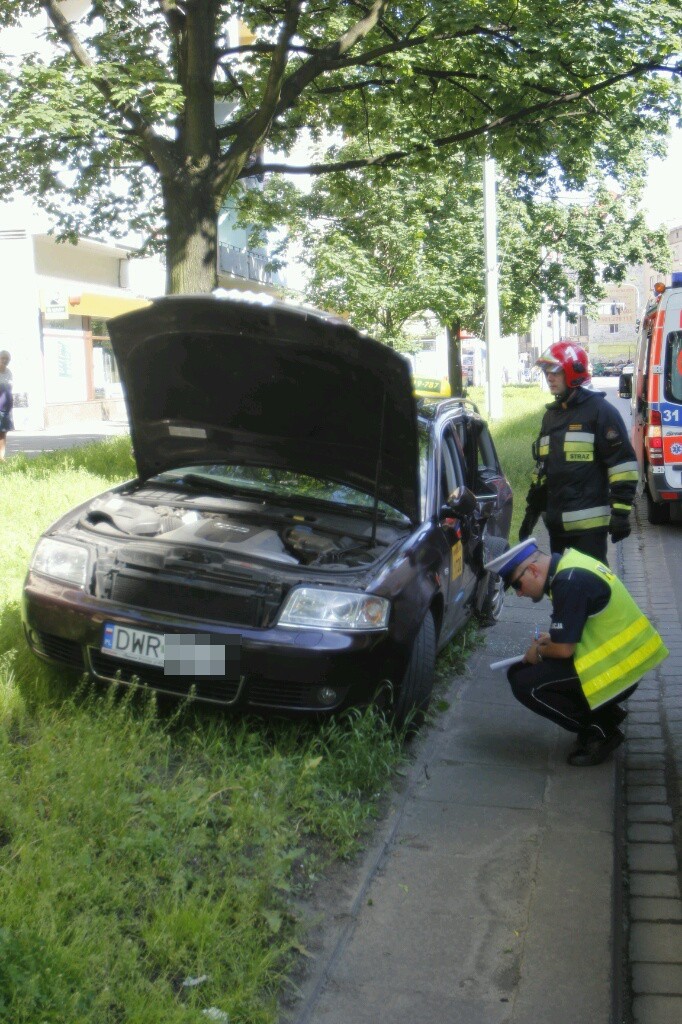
<point>35,442</point>
<point>653,759</point>
<point>488,895</point>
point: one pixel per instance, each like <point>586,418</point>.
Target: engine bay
<point>285,536</point>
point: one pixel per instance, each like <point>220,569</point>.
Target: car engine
<point>278,537</point>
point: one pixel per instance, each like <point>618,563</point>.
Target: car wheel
<point>413,695</point>
<point>657,513</point>
<point>493,602</point>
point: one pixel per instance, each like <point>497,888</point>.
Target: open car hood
<point>251,381</point>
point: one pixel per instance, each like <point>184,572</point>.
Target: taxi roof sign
<point>425,387</point>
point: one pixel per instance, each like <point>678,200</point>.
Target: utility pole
<point>492,299</point>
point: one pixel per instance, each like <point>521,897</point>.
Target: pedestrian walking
<point>586,473</point>
<point>598,647</point>
<point>6,401</point>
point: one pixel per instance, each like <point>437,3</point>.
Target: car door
<point>484,475</point>
<point>461,572</point>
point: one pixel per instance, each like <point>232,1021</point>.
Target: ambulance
<point>656,402</point>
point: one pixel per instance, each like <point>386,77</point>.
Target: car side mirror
<point>461,502</point>
<point>625,389</point>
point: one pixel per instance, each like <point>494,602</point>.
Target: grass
<point>148,860</point>
<point>138,855</point>
<point>523,406</point>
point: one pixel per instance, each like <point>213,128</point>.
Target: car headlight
<point>61,561</point>
<point>334,609</point>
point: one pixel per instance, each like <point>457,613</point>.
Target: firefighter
<point>598,647</point>
<point>586,473</point>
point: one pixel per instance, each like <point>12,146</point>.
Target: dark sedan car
<point>301,537</point>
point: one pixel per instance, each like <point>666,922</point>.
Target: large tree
<point>167,97</point>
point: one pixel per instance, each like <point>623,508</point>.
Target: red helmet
<point>570,358</point>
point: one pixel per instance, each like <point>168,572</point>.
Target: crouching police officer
<point>598,647</point>
<point>586,474</point>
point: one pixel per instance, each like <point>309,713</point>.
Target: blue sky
<point>662,198</point>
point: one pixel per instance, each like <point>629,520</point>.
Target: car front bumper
<point>309,671</point>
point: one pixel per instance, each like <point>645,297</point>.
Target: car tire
<point>493,602</point>
<point>657,513</point>
<point>413,695</point>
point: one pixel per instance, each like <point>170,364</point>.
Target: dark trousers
<point>552,689</point>
<point>593,543</point>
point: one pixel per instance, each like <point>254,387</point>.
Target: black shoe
<point>595,750</point>
<point>584,737</point>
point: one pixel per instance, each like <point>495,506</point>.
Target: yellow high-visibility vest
<point>618,644</point>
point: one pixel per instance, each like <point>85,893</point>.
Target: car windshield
<point>276,483</point>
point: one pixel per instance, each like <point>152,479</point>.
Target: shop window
<point>105,370</point>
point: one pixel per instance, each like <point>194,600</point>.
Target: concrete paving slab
<point>573,886</point>
<point>657,1009</point>
<point>656,943</point>
<point>641,832</point>
<point>652,857</point>
<point>646,794</point>
<point>657,978</point>
<point>643,884</point>
<point>643,908</point>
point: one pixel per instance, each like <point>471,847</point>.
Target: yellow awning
<point>104,306</point>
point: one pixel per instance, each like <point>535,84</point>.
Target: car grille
<point>211,688</point>
<point>68,652</point>
<point>208,601</point>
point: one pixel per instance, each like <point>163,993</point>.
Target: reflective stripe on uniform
<point>623,471</point>
<point>586,518</point>
<point>613,673</point>
<point>543,445</point>
<point>621,507</point>
<point>579,435</point>
<point>579,442</point>
<point>614,643</point>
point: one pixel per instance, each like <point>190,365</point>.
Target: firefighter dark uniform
<point>585,475</point>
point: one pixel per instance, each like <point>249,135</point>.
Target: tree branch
<point>254,127</point>
<point>328,57</point>
<point>158,149</point>
<point>493,127</point>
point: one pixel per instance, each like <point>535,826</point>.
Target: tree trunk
<point>452,332</point>
<point>192,235</point>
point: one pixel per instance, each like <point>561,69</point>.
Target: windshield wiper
<point>197,482</point>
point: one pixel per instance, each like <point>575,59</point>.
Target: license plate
<point>178,654</point>
<point>138,645</point>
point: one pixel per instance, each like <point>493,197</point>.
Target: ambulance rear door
<point>671,399</point>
